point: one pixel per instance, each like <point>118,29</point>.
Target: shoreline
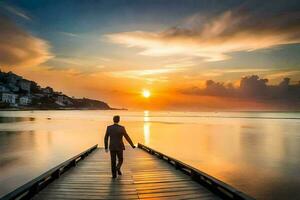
<point>63,109</point>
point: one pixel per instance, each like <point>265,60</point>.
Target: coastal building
<point>9,98</point>
<point>38,95</point>
<point>13,78</point>
<point>63,100</point>
<point>47,90</point>
<point>3,88</point>
<point>25,85</point>
<point>24,100</point>
<point>13,88</point>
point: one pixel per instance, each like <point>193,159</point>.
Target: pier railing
<point>216,186</point>
<point>31,188</point>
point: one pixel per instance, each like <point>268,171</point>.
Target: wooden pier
<point>147,174</point>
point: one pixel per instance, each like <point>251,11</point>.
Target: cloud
<point>17,12</point>
<point>252,88</point>
<point>150,75</point>
<point>222,72</point>
<point>81,64</point>
<point>280,74</point>
<point>69,34</point>
<point>214,37</point>
<point>19,48</point>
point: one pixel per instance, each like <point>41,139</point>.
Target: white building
<point>24,100</point>
<point>9,98</point>
<point>25,85</point>
<point>63,100</point>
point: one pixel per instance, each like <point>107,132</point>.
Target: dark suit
<point>115,134</point>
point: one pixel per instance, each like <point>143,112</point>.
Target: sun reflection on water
<point>146,128</point>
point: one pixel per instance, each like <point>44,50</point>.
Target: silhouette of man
<point>115,134</point>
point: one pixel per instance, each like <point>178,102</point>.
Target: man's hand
<point>106,150</point>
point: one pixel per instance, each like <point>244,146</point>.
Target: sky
<point>189,54</point>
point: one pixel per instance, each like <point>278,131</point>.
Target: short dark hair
<point>116,118</point>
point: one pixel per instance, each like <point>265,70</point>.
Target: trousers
<point>113,159</point>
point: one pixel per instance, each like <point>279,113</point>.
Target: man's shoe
<point>114,176</point>
<point>119,172</point>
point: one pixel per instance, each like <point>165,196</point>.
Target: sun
<point>146,93</point>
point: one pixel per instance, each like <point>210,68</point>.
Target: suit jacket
<point>115,134</point>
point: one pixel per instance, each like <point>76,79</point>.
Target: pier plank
<point>144,177</point>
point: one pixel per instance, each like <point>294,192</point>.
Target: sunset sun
<point>146,93</point>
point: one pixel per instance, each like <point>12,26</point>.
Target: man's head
<point>116,119</point>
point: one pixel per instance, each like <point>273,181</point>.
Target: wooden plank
<point>29,189</point>
<point>145,177</point>
<point>171,194</point>
<point>219,187</point>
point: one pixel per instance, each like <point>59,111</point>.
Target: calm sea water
<point>256,152</point>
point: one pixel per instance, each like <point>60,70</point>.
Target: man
<point>115,134</point>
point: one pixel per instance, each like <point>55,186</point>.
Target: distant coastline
<point>17,94</point>
<point>57,109</point>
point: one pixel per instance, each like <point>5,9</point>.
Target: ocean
<point>255,152</point>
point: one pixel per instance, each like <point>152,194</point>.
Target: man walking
<point>115,134</point>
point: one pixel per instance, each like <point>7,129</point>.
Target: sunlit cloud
<point>221,72</point>
<point>280,74</point>
<point>19,48</point>
<point>150,75</point>
<point>214,37</point>
<point>83,65</point>
<point>213,74</point>
<point>178,63</point>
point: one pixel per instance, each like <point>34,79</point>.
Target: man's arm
<point>106,139</point>
<point>128,138</point>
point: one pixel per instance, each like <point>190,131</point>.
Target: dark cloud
<point>19,48</point>
<point>253,88</point>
